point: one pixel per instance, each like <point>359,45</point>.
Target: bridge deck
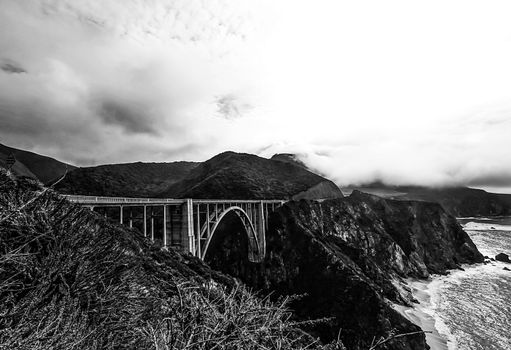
<point>97,200</point>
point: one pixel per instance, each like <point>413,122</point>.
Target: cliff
<point>348,257</point>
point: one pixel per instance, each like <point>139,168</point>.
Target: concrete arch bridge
<point>188,225</point>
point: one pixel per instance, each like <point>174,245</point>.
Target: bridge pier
<point>187,232</point>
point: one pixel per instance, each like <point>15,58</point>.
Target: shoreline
<point>438,336</point>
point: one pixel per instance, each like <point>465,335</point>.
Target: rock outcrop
<point>503,258</point>
<point>346,257</point>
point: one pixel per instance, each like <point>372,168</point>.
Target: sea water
<point>472,308</point>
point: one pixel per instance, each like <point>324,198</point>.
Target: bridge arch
<point>254,248</point>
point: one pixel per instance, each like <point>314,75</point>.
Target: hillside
<point>34,165</point>
<point>457,201</point>
<point>246,176</point>
<point>125,180</point>
<point>227,175</point>
<point>69,279</point>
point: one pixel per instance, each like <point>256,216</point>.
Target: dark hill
<point>246,176</point>
<point>125,180</point>
<point>34,165</point>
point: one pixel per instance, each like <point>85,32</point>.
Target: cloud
<point>231,107</point>
<point>100,78</point>
<point>362,93</point>
<point>9,66</point>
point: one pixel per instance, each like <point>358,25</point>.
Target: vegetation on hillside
<point>69,279</point>
<point>247,176</point>
<point>34,165</point>
<point>125,180</point>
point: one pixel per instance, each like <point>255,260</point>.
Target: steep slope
<point>347,257</point>
<point>31,164</point>
<point>246,176</point>
<point>69,279</point>
<point>125,180</point>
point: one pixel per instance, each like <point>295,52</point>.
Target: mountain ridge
<point>227,175</point>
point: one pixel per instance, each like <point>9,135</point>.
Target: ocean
<point>471,309</point>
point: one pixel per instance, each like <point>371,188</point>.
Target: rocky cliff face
<point>323,190</point>
<point>348,256</point>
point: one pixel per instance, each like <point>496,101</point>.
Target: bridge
<point>188,224</point>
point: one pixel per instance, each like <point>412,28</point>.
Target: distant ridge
<point>33,165</point>
<point>457,201</point>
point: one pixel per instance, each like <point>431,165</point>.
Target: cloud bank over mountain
<point>399,92</point>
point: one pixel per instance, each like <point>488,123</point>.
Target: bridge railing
<point>130,200</point>
<point>121,200</point>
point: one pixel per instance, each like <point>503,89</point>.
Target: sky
<point>404,92</point>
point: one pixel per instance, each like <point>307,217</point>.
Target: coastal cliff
<point>347,258</point>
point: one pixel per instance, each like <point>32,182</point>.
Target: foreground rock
<point>347,257</point>
<point>502,257</point>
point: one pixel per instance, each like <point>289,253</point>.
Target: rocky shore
<point>348,259</point>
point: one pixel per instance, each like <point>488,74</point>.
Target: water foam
<point>471,308</point>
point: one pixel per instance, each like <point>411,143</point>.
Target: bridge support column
<point>120,214</point>
<point>261,228</point>
<point>145,221</point>
<point>165,226</point>
<point>152,223</point>
<point>187,232</point>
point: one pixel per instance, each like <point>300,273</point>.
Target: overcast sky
<point>408,92</point>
